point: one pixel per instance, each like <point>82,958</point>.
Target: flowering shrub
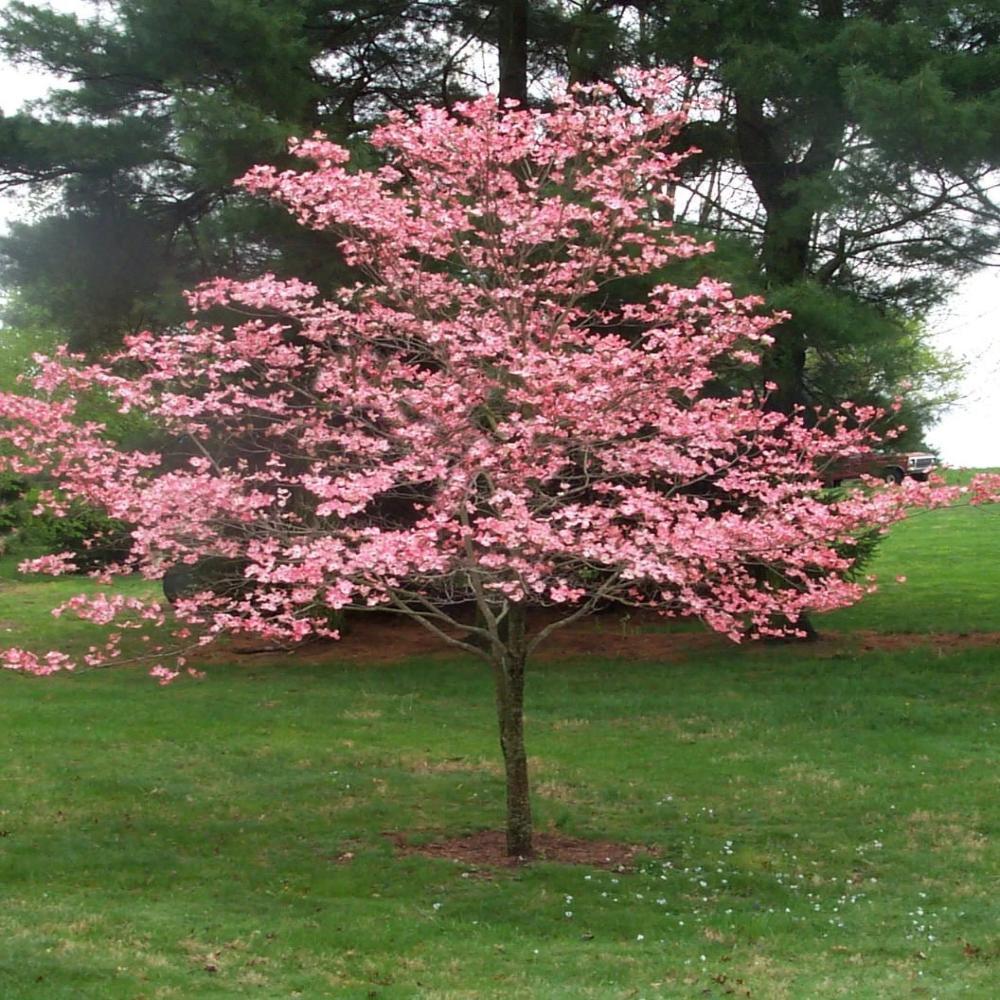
<point>471,424</point>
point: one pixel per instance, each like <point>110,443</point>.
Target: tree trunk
<point>769,150</point>
<point>512,47</point>
<point>785,255</point>
<point>509,674</point>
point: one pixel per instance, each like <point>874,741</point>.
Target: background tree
<point>464,430</point>
<point>165,104</point>
<point>512,50</point>
<point>848,145</point>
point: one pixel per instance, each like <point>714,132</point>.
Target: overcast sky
<point>967,435</point>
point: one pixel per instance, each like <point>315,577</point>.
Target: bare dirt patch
<point>489,848</point>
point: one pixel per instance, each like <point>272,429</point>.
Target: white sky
<point>967,435</point>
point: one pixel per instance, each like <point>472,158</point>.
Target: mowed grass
<point>824,817</point>
<point>951,562</point>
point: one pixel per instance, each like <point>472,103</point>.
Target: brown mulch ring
<point>376,639</point>
<point>891,641</point>
<point>489,847</point>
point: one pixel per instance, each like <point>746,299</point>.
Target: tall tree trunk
<point>509,674</point>
<point>785,247</point>
<point>777,170</point>
<point>785,255</point>
<point>512,48</point>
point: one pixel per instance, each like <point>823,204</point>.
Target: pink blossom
<point>163,674</point>
<point>54,565</point>
<point>31,663</point>
<point>477,423</point>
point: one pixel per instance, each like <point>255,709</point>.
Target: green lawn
<point>951,561</point>
<point>825,816</point>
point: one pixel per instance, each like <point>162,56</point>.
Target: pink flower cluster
<point>31,663</point>
<point>54,565</point>
<point>479,419</point>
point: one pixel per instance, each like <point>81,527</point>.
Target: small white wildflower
<point>437,906</point>
<point>640,937</point>
<point>568,914</point>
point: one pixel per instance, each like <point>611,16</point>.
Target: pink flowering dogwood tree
<point>472,431</point>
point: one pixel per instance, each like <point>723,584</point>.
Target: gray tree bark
<point>508,671</point>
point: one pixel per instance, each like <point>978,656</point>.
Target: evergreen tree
<point>166,102</point>
<point>851,143</point>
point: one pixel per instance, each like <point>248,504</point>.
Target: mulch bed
<point>489,848</point>
<point>375,640</point>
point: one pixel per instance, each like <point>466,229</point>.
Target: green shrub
<point>94,539</point>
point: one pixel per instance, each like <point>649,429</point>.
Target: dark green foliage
<point>216,574</point>
<point>93,539</point>
<point>223,575</point>
<point>12,487</point>
<point>13,506</point>
<point>92,275</point>
<point>863,548</point>
<point>173,100</point>
<point>856,350</point>
<point>849,148</point>
<point>928,90</point>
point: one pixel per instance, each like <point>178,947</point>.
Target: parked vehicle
<point>891,467</point>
